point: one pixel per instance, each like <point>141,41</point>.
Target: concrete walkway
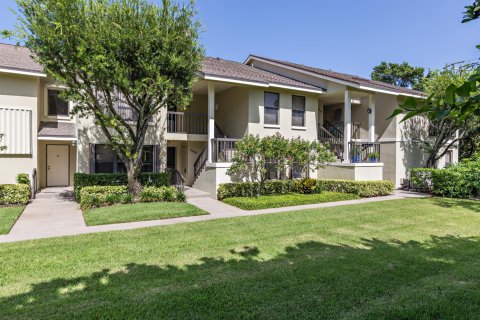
<point>53,213</point>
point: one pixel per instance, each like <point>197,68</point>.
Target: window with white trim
<point>106,160</point>
<point>271,108</point>
<point>298,111</point>
<point>56,106</point>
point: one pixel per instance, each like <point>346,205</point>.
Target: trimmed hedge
<point>421,179</point>
<point>82,180</point>
<point>100,196</point>
<point>360,188</point>
<point>14,194</point>
<point>167,194</point>
<point>461,180</point>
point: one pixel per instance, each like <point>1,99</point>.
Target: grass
<point>402,259</point>
<point>140,212</point>
<point>286,200</point>
<point>8,217</point>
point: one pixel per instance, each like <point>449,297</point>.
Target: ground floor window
<point>448,157</point>
<point>106,160</point>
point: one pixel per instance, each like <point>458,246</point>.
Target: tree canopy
<point>399,74</point>
<point>111,53</point>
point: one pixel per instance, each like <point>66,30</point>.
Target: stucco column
<point>211,120</point>
<point>347,134</point>
<point>371,118</point>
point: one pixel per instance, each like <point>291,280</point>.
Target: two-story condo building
<point>231,99</point>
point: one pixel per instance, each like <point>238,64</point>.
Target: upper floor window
<point>298,111</point>
<point>56,105</point>
<point>271,108</point>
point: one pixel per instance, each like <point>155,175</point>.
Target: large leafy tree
<point>112,52</point>
<point>399,74</point>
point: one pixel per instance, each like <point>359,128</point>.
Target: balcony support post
<point>347,135</point>
<point>371,118</point>
<point>211,120</point>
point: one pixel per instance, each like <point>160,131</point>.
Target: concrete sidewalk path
<point>55,214</point>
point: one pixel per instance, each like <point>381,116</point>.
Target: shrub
<point>116,179</point>
<point>156,194</point>
<point>421,179</point>
<point>14,194</point>
<point>99,196</point>
<point>23,178</point>
<point>454,182</point>
<point>362,189</point>
<point>307,186</point>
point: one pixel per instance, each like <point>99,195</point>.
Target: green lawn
<point>286,200</point>
<point>8,217</point>
<point>402,259</point>
<point>140,212</point>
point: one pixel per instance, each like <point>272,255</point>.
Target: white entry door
<point>57,165</point>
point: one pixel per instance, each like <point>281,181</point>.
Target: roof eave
<point>344,82</point>
<point>23,72</point>
<point>213,77</point>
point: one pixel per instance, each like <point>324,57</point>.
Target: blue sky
<point>349,36</point>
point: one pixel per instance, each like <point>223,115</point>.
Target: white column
<point>347,134</point>
<point>211,120</point>
<point>371,118</point>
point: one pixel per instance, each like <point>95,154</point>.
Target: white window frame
<point>45,102</point>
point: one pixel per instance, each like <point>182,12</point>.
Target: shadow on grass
<point>398,280</point>
<point>473,205</point>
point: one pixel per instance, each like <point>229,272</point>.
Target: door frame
<point>46,161</point>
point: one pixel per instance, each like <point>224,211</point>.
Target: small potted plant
<point>356,154</point>
<point>373,156</point>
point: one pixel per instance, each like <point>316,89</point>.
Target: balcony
<point>364,152</point>
<point>187,123</point>
<point>223,149</point>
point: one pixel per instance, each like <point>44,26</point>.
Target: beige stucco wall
<point>211,177</point>
<point>256,115</point>
<point>19,91</point>
<point>352,171</point>
<point>231,114</point>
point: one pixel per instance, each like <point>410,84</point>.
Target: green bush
<point>421,179</point>
<point>14,194</point>
<point>307,186</point>
<point>81,180</point>
<point>360,188</point>
<point>287,200</point>
<point>157,194</point>
<point>99,196</point>
<point>23,178</point>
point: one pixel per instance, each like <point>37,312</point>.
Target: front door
<point>57,165</point>
<point>171,158</point>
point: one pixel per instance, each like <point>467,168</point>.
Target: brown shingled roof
<point>18,58</point>
<point>346,77</point>
<point>57,129</point>
<point>236,70</point>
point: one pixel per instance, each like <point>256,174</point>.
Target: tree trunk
<point>134,185</point>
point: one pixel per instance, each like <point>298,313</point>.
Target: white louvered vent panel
<point>16,125</point>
